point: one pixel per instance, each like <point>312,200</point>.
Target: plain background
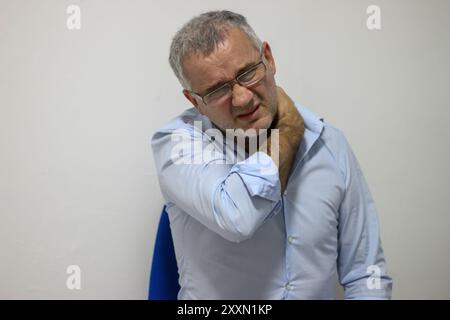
<point>78,108</point>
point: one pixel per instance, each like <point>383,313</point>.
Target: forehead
<point>234,53</point>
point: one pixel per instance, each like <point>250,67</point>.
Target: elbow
<point>243,235</point>
<point>241,227</point>
<point>238,213</point>
<point>238,236</point>
<point>247,229</point>
<point>233,224</point>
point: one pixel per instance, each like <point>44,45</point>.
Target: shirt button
<point>290,239</point>
<point>288,286</point>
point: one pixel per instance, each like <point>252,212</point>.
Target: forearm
<point>282,153</point>
<point>232,200</point>
<point>283,142</point>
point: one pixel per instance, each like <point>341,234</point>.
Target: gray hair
<point>202,34</point>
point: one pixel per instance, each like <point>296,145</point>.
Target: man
<point>277,223</point>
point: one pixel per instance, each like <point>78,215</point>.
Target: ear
<point>267,53</point>
<point>191,98</point>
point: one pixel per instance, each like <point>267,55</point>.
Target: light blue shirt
<point>237,237</point>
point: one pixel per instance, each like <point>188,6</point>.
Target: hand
<point>289,120</point>
<point>285,104</point>
<point>289,132</point>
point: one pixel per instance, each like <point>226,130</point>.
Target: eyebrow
<point>220,83</point>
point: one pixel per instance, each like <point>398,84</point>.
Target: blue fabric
<point>238,237</point>
<point>164,274</point>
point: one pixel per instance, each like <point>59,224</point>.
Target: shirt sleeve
<point>232,200</point>
<point>361,262</point>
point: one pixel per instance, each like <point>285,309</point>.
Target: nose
<point>241,96</point>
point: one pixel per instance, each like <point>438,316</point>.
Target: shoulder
<point>184,120</point>
<point>329,136</point>
<point>186,123</point>
<point>333,137</point>
<point>337,145</point>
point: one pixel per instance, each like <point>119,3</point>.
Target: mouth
<point>249,115</point>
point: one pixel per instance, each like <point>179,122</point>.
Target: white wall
<point>77,110</point>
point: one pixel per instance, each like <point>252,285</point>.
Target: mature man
<point>277,223</point>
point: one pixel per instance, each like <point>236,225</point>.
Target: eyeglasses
<point>249,77</point>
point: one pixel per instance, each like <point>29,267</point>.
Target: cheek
<point>268,89</point>
<point>269,95</point>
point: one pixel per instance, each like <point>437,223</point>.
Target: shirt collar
<point>313,129</point>
<point>312,121</point>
